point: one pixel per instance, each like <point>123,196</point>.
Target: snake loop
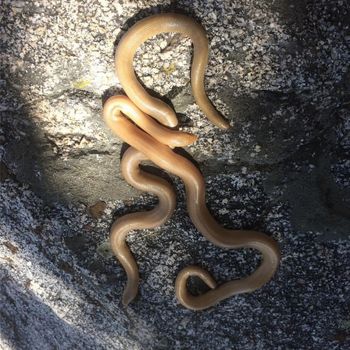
<point>131,119</point>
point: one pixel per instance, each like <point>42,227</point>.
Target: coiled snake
<point>132,118</point>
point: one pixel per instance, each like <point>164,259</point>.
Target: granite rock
<point>279,72</point>
<point>56,271</point>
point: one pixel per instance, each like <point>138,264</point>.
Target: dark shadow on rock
<point>317,202</point>
<point>22,316</point>
<point>35,158</point>
<point>280,123</point>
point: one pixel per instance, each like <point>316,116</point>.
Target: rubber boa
<point>156,217</point>
<point>138,34</point>
<point>131,118</point>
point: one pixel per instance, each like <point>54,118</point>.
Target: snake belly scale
<point>145,123</point>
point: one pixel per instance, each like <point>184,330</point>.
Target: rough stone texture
<point>56,271</point>
<point>279,71</point>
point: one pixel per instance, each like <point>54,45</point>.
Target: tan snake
<point>132,118</point>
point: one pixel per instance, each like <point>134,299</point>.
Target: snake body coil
<point>151,140</point>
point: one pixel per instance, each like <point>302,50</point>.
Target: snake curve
<point>137,119</point>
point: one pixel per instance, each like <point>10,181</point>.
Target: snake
<point>147,125</point>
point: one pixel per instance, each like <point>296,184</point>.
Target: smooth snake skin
<point>145,122</point>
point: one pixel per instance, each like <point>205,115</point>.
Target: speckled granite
<point>279,71</point>
<point>56,280</point>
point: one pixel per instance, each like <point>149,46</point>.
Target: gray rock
<point>24,330</point>
<point>68,156</point>
<point>316,183</point>
<point>277,71</point>
<point>316,204</point>
<point>57,289</point>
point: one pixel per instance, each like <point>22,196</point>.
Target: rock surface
<point>56,271</point>
<point>279,71</point>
